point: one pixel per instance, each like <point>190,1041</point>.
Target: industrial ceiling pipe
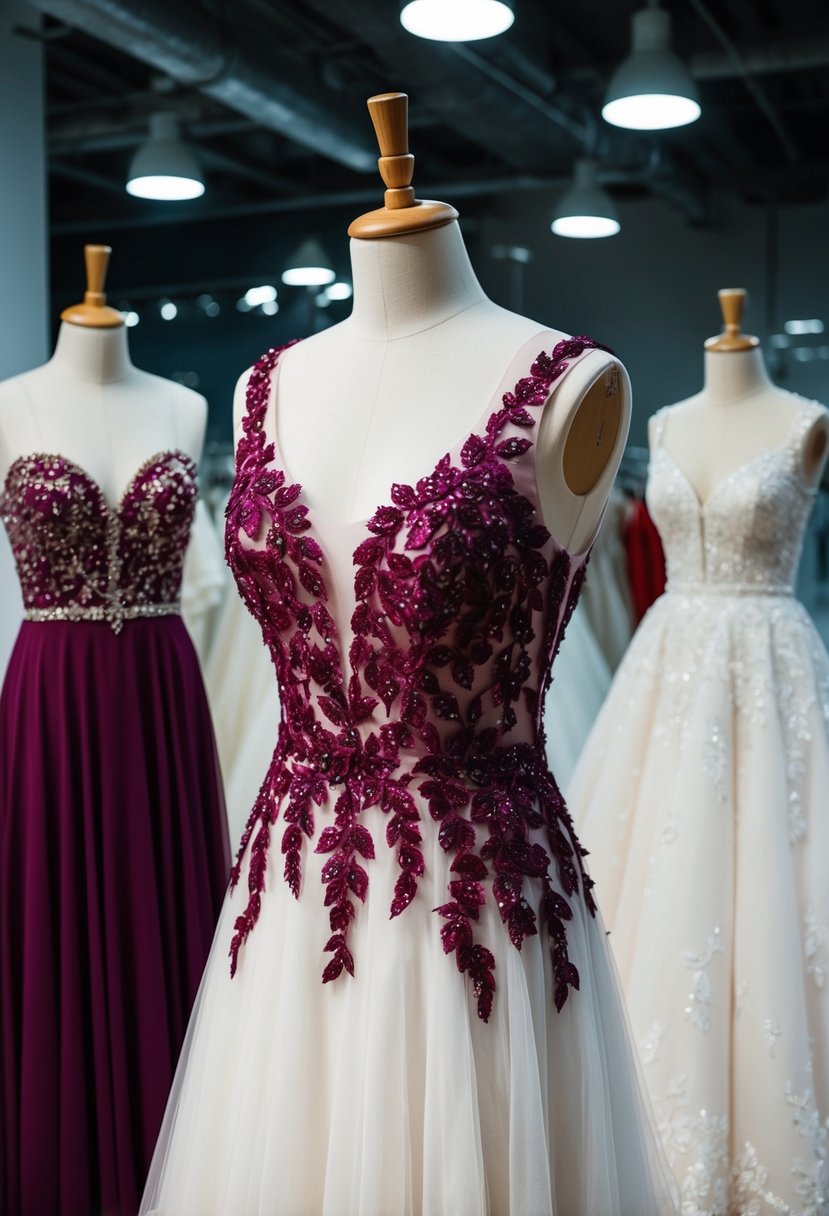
<point>253,78</point>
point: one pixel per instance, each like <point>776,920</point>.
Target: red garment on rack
<point>645,558</point>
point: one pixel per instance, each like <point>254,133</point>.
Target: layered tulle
<point>113,862</point>
<point>385,1094</point>
<point>702,797</point>
<point>244,702</point>
<point>581,679</point>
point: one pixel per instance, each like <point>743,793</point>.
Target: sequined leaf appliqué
<point>461,597</point>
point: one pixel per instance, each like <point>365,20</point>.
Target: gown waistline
<point>729,589</point>
<point>113,614</point>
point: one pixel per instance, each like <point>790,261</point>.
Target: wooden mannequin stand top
<point>94,311</point>
<point>402,211</point>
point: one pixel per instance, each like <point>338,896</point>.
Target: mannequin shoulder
<point>597,380</point>
<point>18,430</point>
<point>190,410</point>
<point>13,396</point>
<point>677,416</point>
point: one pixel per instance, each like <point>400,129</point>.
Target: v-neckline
<point>112,510</point>
<point>324,521</point>
<point>703,504</point>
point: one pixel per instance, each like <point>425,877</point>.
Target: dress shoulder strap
<point>802,426</point>
<point>658,420</point>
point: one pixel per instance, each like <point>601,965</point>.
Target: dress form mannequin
<point>418,365</point>
<point>91,405</point>
<point>738,414</point>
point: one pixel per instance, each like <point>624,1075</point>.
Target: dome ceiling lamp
<point>585,211</point>
<point>651,90</point>
<point>457,20</point>
<point>164,167</point>
<point>309,267</point>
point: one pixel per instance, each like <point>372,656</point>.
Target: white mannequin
<point>92,406</point>
<point>738,415</point>
<point>383,395</point>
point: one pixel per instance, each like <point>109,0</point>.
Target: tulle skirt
<point>113,863</point>
<point>244,702</point>
<point>384,1094</point>
<point>703,797</point>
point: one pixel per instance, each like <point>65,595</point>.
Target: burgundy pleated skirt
<point>113,865</point>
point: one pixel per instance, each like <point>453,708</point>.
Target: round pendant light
<point>585,211</point>
<point>457,20</point>
<point>164,167</point>
<point>652,90</point>
<point>309,267</point>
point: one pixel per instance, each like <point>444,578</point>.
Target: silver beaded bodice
<point>78,558</point>
<point>746,538</point>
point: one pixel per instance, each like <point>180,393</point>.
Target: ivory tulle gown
<point>424,1016</point>
<point>703,796</point>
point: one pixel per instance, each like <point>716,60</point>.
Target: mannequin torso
<point>738,415</point>
<point>92,406</point>
<point>420,363</point>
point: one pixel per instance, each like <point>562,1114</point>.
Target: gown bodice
<point>412,652</point>
<point>746,538</point>
<point>78,558</point>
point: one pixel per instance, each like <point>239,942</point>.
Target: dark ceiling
<point>271,94</point>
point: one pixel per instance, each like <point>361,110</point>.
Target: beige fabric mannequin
<point>738,415</point>
<point>92,406</point>
<point>384,394</point>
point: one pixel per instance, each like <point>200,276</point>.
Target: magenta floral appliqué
<point>431,711</point>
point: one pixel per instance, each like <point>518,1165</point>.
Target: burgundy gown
<point>113,840</point>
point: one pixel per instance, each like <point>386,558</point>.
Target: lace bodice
<point>748,535</point>
<point>80,559</point>
<point>414,675</point>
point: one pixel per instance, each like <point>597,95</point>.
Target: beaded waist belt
<point>112,614</point>
<point>683,588</point>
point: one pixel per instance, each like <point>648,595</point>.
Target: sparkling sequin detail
<point>749,532</point>
<point>79,559</point>
<point>434,702</point>
<point>717,742</point>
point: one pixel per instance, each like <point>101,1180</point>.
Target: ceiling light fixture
<point>585,210</point>
<point>309,267</point>
<point>457,20</point>
<point>813,326</point>
<point>652,89</point>
<point>339,291</point>
<point>164,167</point>
<point>260,295</point>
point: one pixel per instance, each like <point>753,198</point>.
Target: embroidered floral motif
<point>697,1146</point>
<point>701,1135</point>
<point>772,1031</point>
<point>461,598</point>
<point>813,948</point>
<point>649,1044</point>
<point>701,994</point>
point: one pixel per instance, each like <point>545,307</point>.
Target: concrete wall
<point>24,333</point>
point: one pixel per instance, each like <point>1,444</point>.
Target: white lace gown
<point>703,797</point>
